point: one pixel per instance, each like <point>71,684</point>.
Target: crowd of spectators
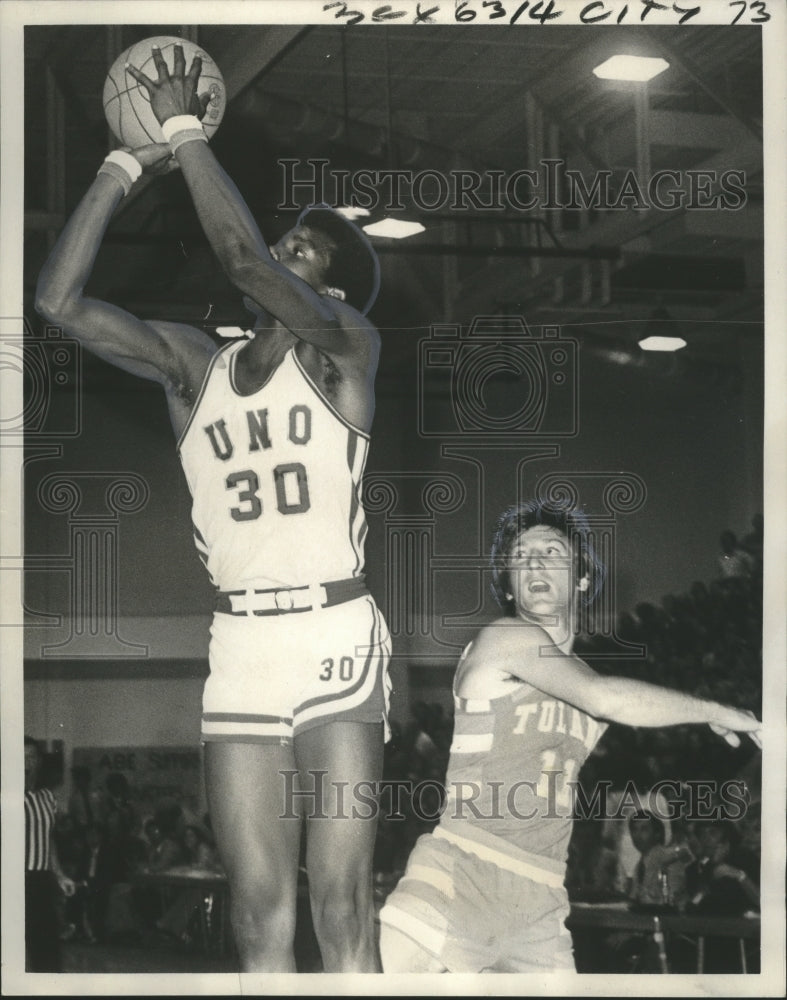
<point>105,842</point>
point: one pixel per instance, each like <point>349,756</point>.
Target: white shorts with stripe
<point>275,676</point>
<point>473,915</point>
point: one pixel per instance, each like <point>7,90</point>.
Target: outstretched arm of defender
<point>518,649</point>
<point>230,226</point>
<point>110,332</point>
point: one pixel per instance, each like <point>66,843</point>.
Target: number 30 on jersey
<point>291,487</point>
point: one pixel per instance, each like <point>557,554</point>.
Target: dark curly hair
<point>569,521</point>
<point>354,265</point>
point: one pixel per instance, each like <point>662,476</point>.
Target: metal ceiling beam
<point>674,55</point>
<point>253,52</point>
<point>574,137</point>
<point>496,250</point>
<point>687,130</point>
<point>504,280</point>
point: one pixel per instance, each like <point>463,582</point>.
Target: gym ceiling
<point>447,100</point>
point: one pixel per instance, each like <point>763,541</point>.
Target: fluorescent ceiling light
<point>635,68</point>
<point>662,343</point>
<point>394,229</point>
<point>352,212</point>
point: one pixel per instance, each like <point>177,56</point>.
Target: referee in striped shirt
<point>44,878</point>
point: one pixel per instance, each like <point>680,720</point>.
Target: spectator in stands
<point>118,801</point>
<point>593,869</point>
<point>419,738</point>
<point>166,851</point>
<point>659,878</point>
<point>88,906</point>
<point>734,560</point>
<point>724,880</point>
<point>750,828</point>
<point>753,542</point>
<point>183,912</point>
<point>197,850</point>
<point>82,804</point>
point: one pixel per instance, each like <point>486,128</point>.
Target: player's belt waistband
<point>287,600</point>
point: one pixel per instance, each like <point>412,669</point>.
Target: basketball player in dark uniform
<point>273,433</point>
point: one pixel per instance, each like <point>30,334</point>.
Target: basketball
<point>127,104</point>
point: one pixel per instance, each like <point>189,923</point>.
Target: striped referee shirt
<point>40,807</point>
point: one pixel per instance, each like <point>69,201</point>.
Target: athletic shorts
<point>275,676</point>
<point>473,916</point>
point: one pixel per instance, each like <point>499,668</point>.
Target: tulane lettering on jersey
<point>513,769</point>
<point>275,479</point>
<point>550,716</point>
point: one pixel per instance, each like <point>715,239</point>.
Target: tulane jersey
<point>275,478</point>
<point>511,773</point>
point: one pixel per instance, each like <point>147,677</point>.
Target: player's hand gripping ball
<point>127,103</point>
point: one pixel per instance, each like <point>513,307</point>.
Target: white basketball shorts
<point>275,676</point>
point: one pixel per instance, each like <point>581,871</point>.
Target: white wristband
<point>129,163</point>
<point>181,123</point>
<point>124,167</point>
<point>187,135</point>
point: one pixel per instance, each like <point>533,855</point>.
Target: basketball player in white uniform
<point>273,433</point>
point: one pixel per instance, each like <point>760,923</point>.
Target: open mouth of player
<point>538,587</point>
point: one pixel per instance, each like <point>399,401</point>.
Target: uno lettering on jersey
<point>275,479</point>
<point>299,431</point>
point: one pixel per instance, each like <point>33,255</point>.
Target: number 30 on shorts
<point>292,491</point>
<point>343,668</point>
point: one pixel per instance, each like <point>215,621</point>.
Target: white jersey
<point>275,478</point>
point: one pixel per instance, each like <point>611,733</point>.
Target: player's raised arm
<point>288,283</point>
<point>526,651</point>
<point>113,334</point>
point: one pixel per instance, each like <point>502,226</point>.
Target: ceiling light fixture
<point>394,229</point>
<point>662,343</point>
<point>637,69</point>
<point>353,212</point>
